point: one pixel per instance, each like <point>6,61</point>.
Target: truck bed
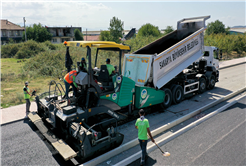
<point>171,54</point>
<point>163,43</point>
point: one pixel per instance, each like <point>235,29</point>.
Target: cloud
<point>53,13</point>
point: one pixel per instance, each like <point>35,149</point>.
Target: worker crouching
<point>69,79</point>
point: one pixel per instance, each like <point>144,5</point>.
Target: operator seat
<point>105,79</point>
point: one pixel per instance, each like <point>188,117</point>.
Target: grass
<point>12,83</point>
<point>14,72</point>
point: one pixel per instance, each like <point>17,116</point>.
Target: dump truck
<point>178,63</point>
<point>160,74</point>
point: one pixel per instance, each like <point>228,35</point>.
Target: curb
<point>176,134</point>
<point>159,130</point>
<point>232,65</point>
<point>18,120</point>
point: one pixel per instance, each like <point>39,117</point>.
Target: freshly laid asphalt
<point>218,141</point>
<point>23,144</point>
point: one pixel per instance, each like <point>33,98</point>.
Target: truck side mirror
<point>220,54</point>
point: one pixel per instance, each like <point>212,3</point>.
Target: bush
<point>45,64</point>
<point>229,44</point>
<point>29,49</point>
<point>9,50</point>
<point>26,50</point>
<point>50,45</point>
<point>139,42</point>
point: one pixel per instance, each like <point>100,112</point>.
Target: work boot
<point>146,156</point>
<point>141,162</point>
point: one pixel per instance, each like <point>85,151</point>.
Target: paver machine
<point>87,125</point>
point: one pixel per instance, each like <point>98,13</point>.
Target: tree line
<point>216,34</point>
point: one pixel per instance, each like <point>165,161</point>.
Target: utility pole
<point>24,26</point>
<point>86,34</point>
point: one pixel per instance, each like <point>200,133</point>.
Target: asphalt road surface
<point>221,140</point>
<point>22,144</point>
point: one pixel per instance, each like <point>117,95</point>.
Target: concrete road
<point>22,146</point>
<point>217,141</point>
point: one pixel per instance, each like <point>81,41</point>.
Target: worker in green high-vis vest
<point>27,96</point>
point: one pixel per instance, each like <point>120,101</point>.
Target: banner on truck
<point>172,60</point>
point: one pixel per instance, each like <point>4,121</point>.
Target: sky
<point>96,14</point>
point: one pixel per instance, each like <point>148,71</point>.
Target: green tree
<point>37,32</point>
<point>168,30</point>
<point>105,36</point>
<point>78,35</point>
<point>216,27</point>
<point>116,29</point>
<point>149,30</point>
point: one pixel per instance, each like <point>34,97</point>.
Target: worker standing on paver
<point>27,96</point>
<point>82,65</point>
<point>142,124</point>
<point>69,79</point>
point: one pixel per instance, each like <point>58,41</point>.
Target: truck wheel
<point>167,99</point>
<point>211,82</point>
<point>178,94</point>
<point>202,85</point>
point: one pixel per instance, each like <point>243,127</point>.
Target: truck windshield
<point>216,54</point>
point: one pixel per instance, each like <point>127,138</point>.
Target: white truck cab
<point>211,54</point>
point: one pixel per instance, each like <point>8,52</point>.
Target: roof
<point>62,27</point>
<point>7,25</point>
<point>99,32</point>
<point>96,44</point>
<point>91,38</point>
<point>240,30</point>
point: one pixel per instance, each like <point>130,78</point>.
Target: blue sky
<point>96,15</point>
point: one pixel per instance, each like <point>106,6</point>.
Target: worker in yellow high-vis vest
<point>27,96</point>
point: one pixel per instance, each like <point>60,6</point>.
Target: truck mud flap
<point>64,149</point>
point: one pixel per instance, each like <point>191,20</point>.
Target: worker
<point>142,124</point>
<point>110,67</point>
<point>27,96</point>
<point>82,65</point>
<point>69,79</point>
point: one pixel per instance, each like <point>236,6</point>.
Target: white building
<point>61,34</point>
<point>9,31</point>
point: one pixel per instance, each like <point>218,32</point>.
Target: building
<point>237,30</point>
<point>91,35</point>
<point>9,31</point>
<point>95,35</point>
<point>61,34</point>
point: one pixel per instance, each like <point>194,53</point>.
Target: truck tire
<point>211,82</point>
<point>178,94</point>
<point>167,99</point>
<point>202,85</point>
